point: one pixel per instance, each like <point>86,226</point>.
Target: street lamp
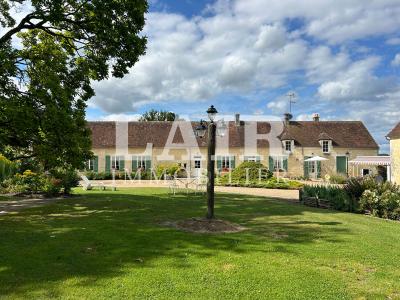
<point>347,163</point>
<point>200,131</point>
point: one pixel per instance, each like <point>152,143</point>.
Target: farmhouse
<point>133,145</point>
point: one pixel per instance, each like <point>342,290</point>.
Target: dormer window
<point>288,146</point>
<point>325,146</point>
<point>326,142</point>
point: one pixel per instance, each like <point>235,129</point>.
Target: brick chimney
<point>237,119</point>
<point>287,118</point>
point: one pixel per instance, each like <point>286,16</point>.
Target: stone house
<point>133,145</point>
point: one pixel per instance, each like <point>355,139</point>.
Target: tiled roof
<point>395,133</point>
<point>344,134</point>
<point>324,136</point>
<point>141,133</point>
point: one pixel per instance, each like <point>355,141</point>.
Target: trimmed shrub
<point>247,170</point>
<point>68,178</point>
<point>337,197</point>
<point>337,179</point>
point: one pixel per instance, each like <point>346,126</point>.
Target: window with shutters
<point>116,162</point>
<point>141,161</point>
<point>90,164</point>
<point>225,162</point>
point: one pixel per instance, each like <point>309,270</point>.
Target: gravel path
<point>288,195</point>
<point>292,195</point>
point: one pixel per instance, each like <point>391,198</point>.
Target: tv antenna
<point>292,99</point>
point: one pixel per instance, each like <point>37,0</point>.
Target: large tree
<point>45,78</point>
<point>158,115</point>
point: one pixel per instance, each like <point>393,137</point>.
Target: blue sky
<point>341,58</point>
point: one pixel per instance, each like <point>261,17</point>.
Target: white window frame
<point>90,164</point>
<point>362,172</point>
<point>197,163</point>
<point>288,146</point>
<point>327,144</point>
<point>225,161</point>
<point>141,161</point>
<point>252,158</point>
<point>116,162</point>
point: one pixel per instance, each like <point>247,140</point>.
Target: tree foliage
<point>46,80</point>
<point>158,115</point>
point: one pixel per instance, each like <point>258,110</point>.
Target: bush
<point>355,187</point>
<point>384,204</point>
<point>30,182</point>
<point>169,170</point>
<point>337,196</point>
<point>337,179</point>
<point>7,168</point>
<point>51,186</point>
<point>68,178</point>
<point>251,170</point>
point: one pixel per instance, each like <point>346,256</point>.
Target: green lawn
<point>109,245</point>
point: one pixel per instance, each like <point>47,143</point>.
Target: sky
<point>340,57</point>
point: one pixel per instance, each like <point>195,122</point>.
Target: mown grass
<point>110,245</point>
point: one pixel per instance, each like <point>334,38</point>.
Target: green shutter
<point>318,169</point>
<point>306,171</point>
<point>108,164</point>
<point>96,164</point>
<point>148,163</point>
<point>271,163</point>
<point>134,163</point>
<point>258,158</point>
<point>122,163</point>
<point>341,164</point>
<point>232,162</point>
<point>285,164</point>
<point>219,163</point>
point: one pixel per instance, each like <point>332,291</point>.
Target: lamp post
<point>212,130</point>
<point>347,163</point>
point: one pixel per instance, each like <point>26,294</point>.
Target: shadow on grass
<point>100,234</point>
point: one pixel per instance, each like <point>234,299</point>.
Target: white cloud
<point>393,41</point>
<point>356,83</point>
<point>396,60</point>
<point>197,59</point>
<point>245,46</point>
<point>118,117</point>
